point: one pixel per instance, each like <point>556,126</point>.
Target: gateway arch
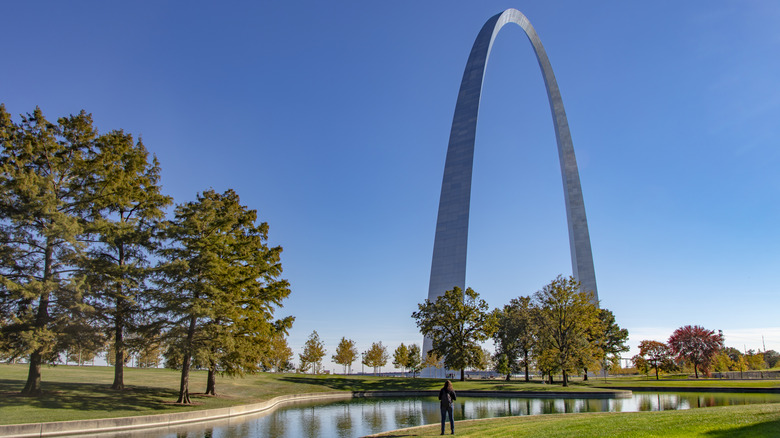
<point>448,268</point>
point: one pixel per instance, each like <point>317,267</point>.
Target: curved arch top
<point>448,268</point>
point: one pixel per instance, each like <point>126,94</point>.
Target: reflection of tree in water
<point>274,425</point>
<point>310,423</point>
<point>645,401</point>
<point>596,405</point>
<point>373,417</point>
<point>569,405</point>
<point>431,412</point>
<point>482,409</point>
<point>549,406</point>
<point>407,414</point>
<point>240,430</point>
<point>344,422</point>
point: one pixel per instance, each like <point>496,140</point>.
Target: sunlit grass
<point>719,422</point>
<point>72,392</point>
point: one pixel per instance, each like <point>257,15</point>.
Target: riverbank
<point>750,421</point>
<point>82,393</point>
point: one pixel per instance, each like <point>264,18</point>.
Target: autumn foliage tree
<point>657,355</point>
<point>696,345</point>
<point>346,353</point>
<point>313,352</point>
<point>564,317</point>
<point>376,356</point>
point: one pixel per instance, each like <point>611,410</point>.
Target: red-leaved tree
<point>696,344</point>
<point>656,354</point>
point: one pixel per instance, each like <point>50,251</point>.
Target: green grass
<point>75,393</point>
<point>720,422</point>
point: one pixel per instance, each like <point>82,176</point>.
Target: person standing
<point>447,397</point>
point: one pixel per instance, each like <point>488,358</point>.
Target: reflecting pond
<point>365,416</point>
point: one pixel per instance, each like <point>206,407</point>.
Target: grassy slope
<point>720,422</point>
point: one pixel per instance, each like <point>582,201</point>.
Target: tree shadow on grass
<point>759,430</point>
<point>86,397</point>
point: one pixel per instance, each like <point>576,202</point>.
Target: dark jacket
<point>447,397</point>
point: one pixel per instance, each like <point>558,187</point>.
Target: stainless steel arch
<point>448,268</point>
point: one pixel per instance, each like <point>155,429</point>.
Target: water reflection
<point>359,417</point>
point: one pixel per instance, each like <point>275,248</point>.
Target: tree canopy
<point>697,345</point>
<point>564,317</point>
<point>456,322</point>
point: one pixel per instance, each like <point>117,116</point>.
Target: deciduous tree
<point>414,359</point>
<point>346,353</point>
<point>515,336</point>
<point>376,356</point>
<point>697,345</point>
<point>313,352</point>
<point>657,356</point>
<point>456,322</point>
<point>401,356</point>
<point>279,355</point>
<point>564,317</point>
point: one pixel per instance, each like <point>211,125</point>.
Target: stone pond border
<point>122,424</point>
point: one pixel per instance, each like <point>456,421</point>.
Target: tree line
<point>558,330</point>
<point>702,350</point>
<point>89,257</point>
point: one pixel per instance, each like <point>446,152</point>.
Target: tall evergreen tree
<point>220,286</point>
<point>127,205</point>
<point>45,171</point>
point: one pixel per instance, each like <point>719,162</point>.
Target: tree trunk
<point>551,378</point>
<point>119,323</point>
<point>656,373</point>
<point>462,374</point>
<point>527,378</point>
<point>696,369</point>
<point>585,376</point>
<point>184,390</point>
<point>211,381</point>
<point>119,350</point>
<point>33,385</point>
<point>565,379</point>
<point>508,376</point>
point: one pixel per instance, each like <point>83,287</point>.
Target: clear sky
<point>332,120</point>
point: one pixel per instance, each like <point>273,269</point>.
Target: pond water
<point>365,416</point>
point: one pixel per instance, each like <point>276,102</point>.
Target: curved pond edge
<point>121,424</point>
<point>732,390</point>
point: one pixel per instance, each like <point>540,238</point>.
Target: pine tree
<point>220,287</point>
<point>45,171</point>
<point>127,206</point>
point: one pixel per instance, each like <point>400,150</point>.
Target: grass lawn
<point>75,393</point>
<point>720,422</point>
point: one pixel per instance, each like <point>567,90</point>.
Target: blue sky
<point>332,120</point>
